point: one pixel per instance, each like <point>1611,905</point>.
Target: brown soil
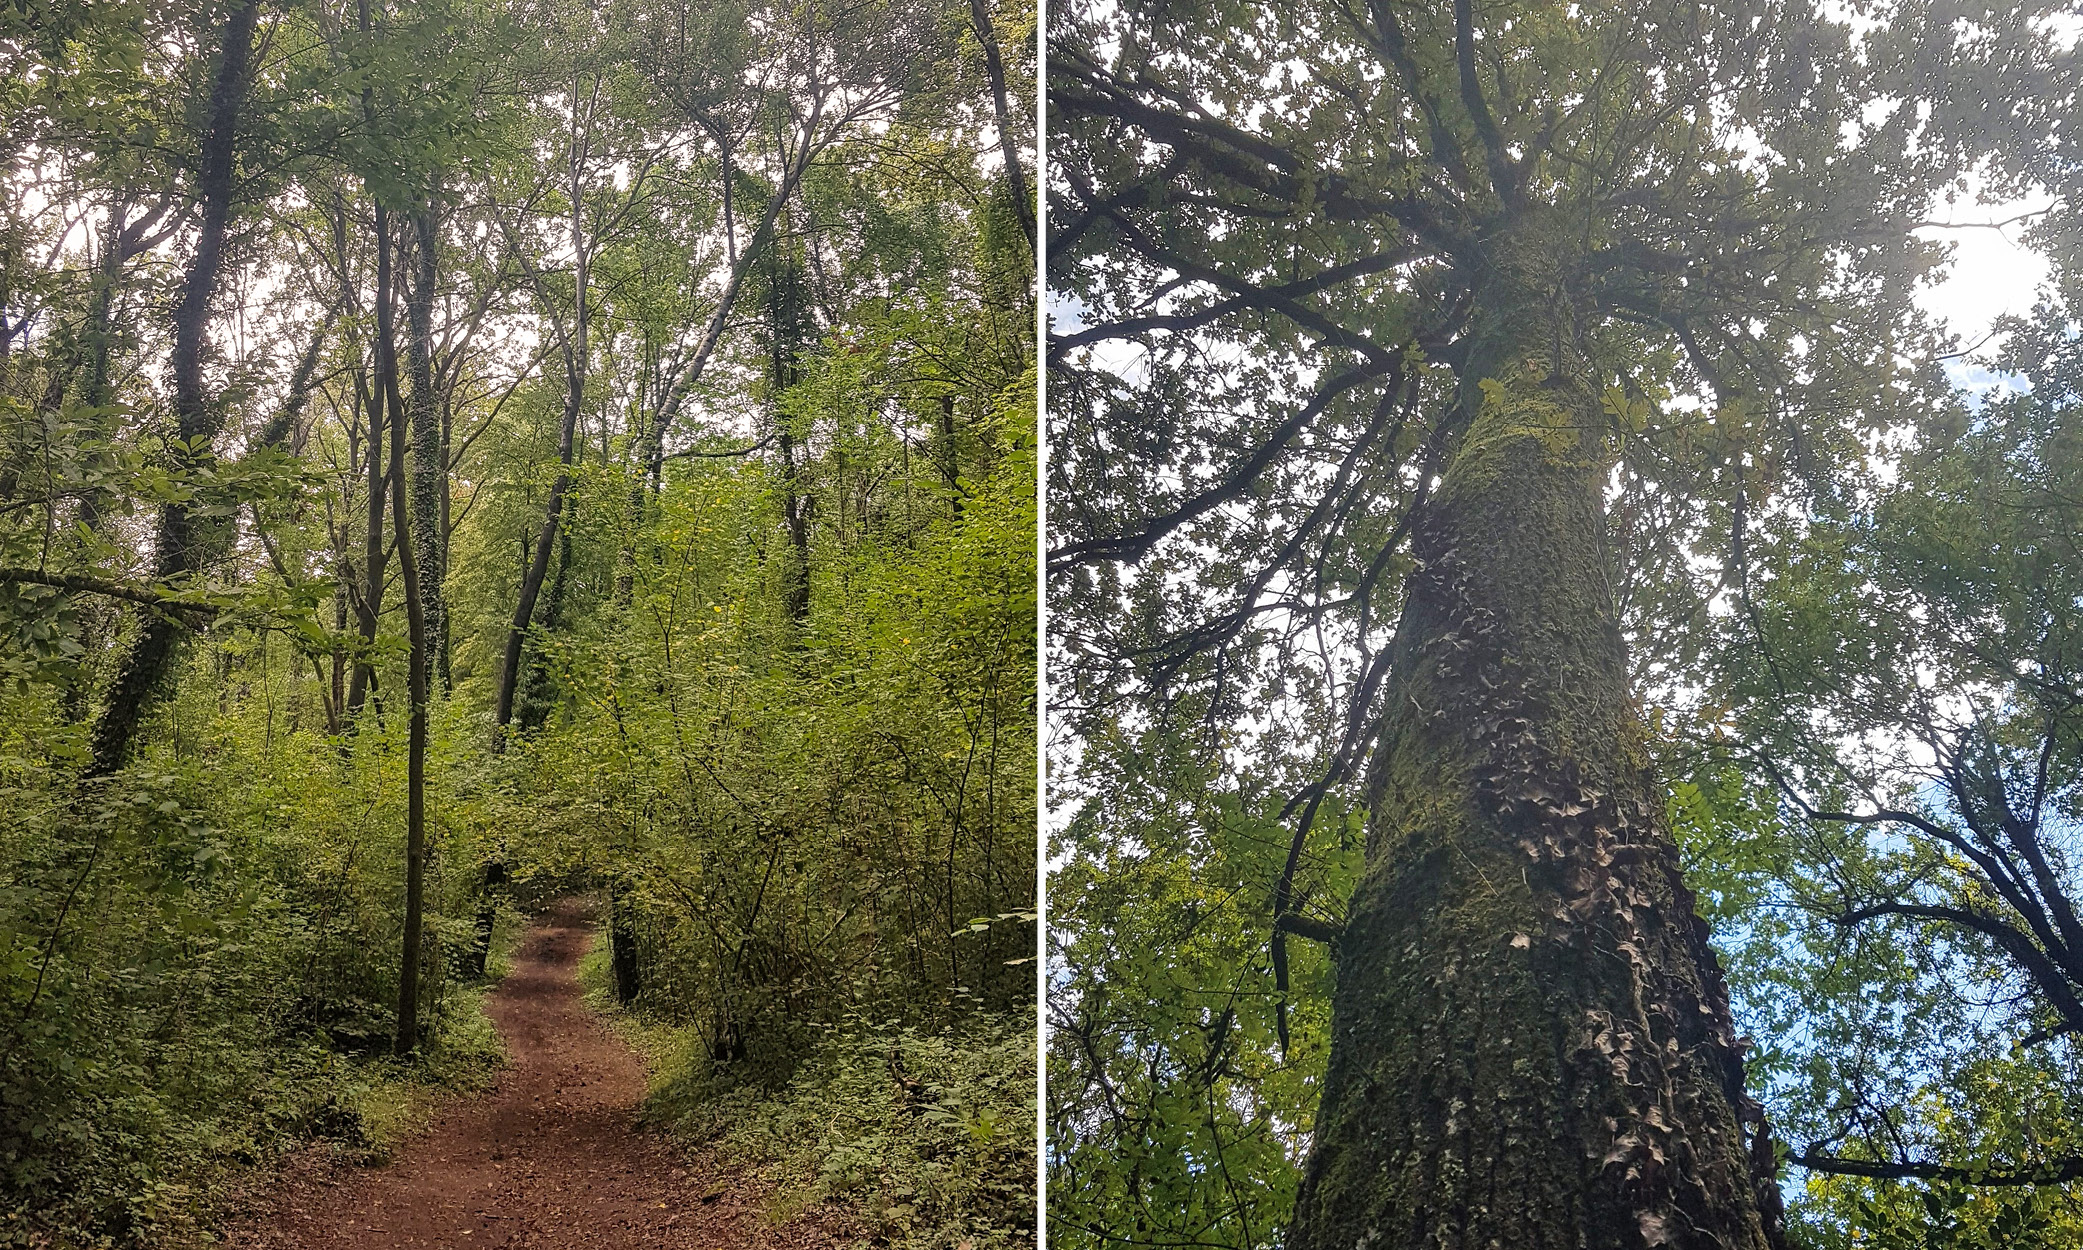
<point>551,1158</point>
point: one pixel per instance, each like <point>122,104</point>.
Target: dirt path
<point>549,1159</point>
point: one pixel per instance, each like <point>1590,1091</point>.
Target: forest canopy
<point>1567,715</point>
<point>456,455</point>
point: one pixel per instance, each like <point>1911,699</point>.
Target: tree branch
<point>97,586</point>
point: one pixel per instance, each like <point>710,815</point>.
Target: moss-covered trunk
<point>1531,1043</point>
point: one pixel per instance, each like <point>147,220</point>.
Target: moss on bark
<point>1531,1041</point>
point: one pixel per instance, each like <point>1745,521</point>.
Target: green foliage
<point>1909,654</point>
<point>187,985</point>
<point>800,812</point>
<point>926,1135</point>
<point>1295,245</point>
<point>1175,1113</point>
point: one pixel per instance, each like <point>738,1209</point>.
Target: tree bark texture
<point>490,883</point>
<point>1531,1040</point>
<point>788,327</point>
<point>537,692</point>
<point>141,672</point>
<point>368,597</point>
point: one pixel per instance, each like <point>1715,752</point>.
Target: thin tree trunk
<point>94,388</point>
<point>369,603</point>
<point>443,668</point>
<point>643,419</point>
<point>429,464</point>
<point>574,403</point>
<point>337,704</point>
<point>144,666</point>
<point>1531,1040</point>
<point>994,69</point>
<point>786,331</point>
<point>796,512</point>
<point>416,681</point>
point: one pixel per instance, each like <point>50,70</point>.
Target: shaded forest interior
<point>455,455</point>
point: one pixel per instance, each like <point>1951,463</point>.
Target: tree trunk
<point>489,883</point>
<point>368,599</point>
<point>94,388</point>
<point>535,697</point>
<point>545,538</point>
<point>429,466</point>
<point>994,70</point>
<point>796,512</point>
<point>950,463</point>
<point>1531,1041</point>
<point>787,328</point>
<point>575,363</point>
<point>375,557</point>
<point>622,950</point>
<point>416,664</point>
<point>143,668</point>
<point>444,668</point>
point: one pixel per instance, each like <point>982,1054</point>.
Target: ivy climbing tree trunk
<point>986,32</point>
<point>177,551</point>
<point>1531,1042</point>
<point>622,948</point>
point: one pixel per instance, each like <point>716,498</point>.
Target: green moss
<point>1527,1045</point>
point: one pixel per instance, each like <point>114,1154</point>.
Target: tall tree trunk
<point>416,664</point>
<point>787,328</point>
<point>444,672</point>
<point>95,388</point>
<point>534,698</point>
<point>338,702</point>
<point>429,465</point>
<point>545,538</point>
<point>796,513</point>
<point>1531,1041</point>
<point>368,602</point>
<point>144,666</point>
<point>1008,147</point>
<point>642,420</point>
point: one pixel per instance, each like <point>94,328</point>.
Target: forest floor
<point>550,1158</point>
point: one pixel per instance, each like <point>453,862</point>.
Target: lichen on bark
<point>1531,1041</point>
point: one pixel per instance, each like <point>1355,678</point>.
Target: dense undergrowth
<point>924,1136</point>
<point>202,997</point>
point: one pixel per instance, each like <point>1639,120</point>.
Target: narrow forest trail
<point>550,1158</point>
